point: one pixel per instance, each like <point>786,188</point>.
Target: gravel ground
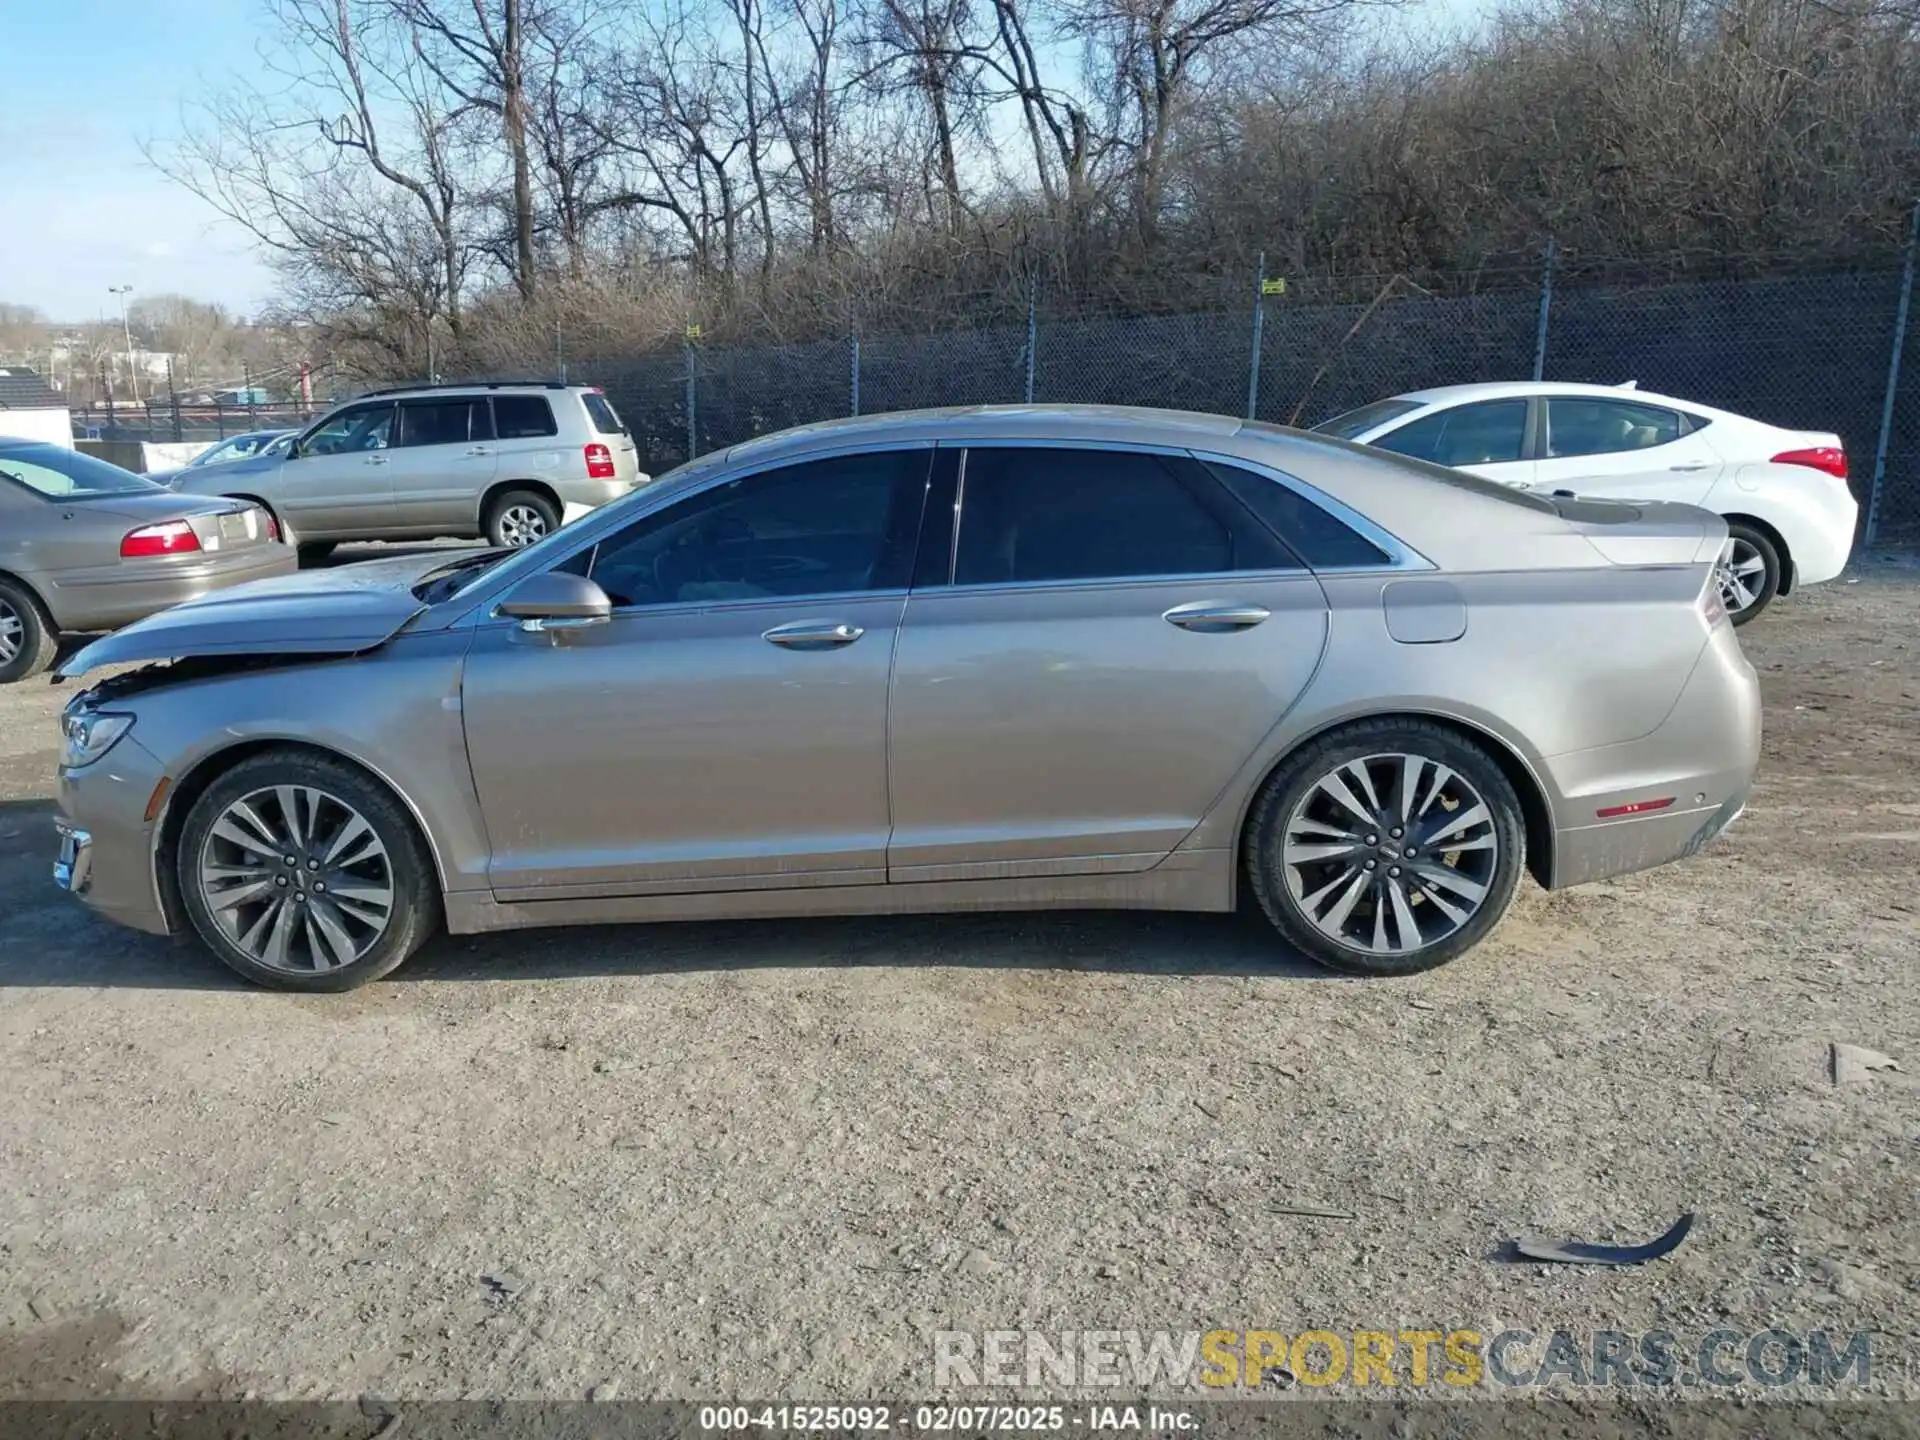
<point>770,1159</point>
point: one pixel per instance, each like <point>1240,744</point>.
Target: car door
<point>527,440</point>
<point>441,464</point>
<point>1485,437</point>
<point>1118,636</point>
<point>333,483</point>
<point>1624,450</point>
<point>726,729</point>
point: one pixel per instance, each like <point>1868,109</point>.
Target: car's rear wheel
<point>520,517</point>
<point>303,873</point>
<point>28,641</point>
<point>1749,573</point>
<point>312,552</point>
<point>1386,847</point>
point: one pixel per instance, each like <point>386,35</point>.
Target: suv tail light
<point>599,462</point>
<point>176,537</point>
<point>1828,458</point>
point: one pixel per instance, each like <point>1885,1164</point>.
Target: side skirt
<point>1188,880</point>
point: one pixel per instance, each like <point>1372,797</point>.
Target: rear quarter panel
<point>1551,662</point>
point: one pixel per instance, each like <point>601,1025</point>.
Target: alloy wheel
<point>521,525</point>
<point>1742,575</point>
<point>298,879</point>
<point>13,632</point>
<point>1390,853</point>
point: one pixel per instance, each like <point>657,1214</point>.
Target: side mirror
<point>555,600</point>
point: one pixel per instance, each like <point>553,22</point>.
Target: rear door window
<point>1322,540</point>
<point>1488,432</point>
<point>523,417</point>
<point>441,422</point>
<point>1041,513</point>
<point>1583,425</point>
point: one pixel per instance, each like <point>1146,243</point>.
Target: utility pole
<point>126,331</point>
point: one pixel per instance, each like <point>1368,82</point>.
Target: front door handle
<point>811,635</point>
<point>376,459</point>
<point>1211,619</point>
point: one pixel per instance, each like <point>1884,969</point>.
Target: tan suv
<point>508,463</point>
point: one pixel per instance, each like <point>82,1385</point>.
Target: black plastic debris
<point>1585,1252</point>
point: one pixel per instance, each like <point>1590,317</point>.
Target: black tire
<point>407,866</point>
<point>312,552</point>
<point>511,514</point>
<point>27,630</point>
<point>1290,787</point>
<point>1746,544</point>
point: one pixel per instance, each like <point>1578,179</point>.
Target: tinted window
<point>364,427</point>
<point>63,474</point>
<point>1579,426</point>
<point>1486,433</point>
<point>1358,422</point>
<point>1315,536</point>
<point>523,417</point>
<point>441,422</point>
<point>606,420</point>
<point>823,528</point>
<point>1047,514</point>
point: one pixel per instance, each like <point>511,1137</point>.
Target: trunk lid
<point>218,523</point>
<point>340,611</point>
<point>1644,532</point>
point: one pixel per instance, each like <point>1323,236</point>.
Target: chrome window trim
<point>1115,582</point>
<point>494,620</point>
<point>1400,555</point>
<point>597,525</point>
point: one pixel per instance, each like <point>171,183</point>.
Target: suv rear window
<point>522,417</point>
<point>606,420</point>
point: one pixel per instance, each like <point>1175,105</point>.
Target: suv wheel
<point>518,518</point>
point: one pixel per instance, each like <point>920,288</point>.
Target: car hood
<point>211,477</point>
<point>340,611</point>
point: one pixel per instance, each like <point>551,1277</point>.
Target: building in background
<point>31,410</point>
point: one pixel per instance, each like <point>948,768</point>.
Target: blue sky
<point>85,81</point>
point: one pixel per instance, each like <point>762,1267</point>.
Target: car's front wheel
<point>1749,573</point>
<point>303,873</point>
<point>1386,847</point>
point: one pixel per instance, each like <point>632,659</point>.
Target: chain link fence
<point>1806,352</point>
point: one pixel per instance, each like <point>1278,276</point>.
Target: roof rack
<point>467,385</point>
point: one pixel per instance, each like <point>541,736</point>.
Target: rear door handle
<point>811,635</point>
<point>1211,619</point>
<point>376,459</point>
<point>1687,469</point>
<point>479,450</point>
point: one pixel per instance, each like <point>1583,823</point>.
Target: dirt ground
<point>771,1159</point>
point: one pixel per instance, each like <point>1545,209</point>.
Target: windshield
<point>449,579</point>
<point>1358,422</point>
<point>62,474</point>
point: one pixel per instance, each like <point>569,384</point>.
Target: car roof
<point>1507,389</point>
<point>470,387</point>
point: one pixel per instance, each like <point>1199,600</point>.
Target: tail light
<point>176,537</point>
<point>1830,459</point>
<point>599,462</point>
<point>273,525</point>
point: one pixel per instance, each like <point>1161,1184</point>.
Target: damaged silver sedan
<point>966,659</point>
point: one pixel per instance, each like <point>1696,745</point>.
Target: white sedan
<point>1790,515</point>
